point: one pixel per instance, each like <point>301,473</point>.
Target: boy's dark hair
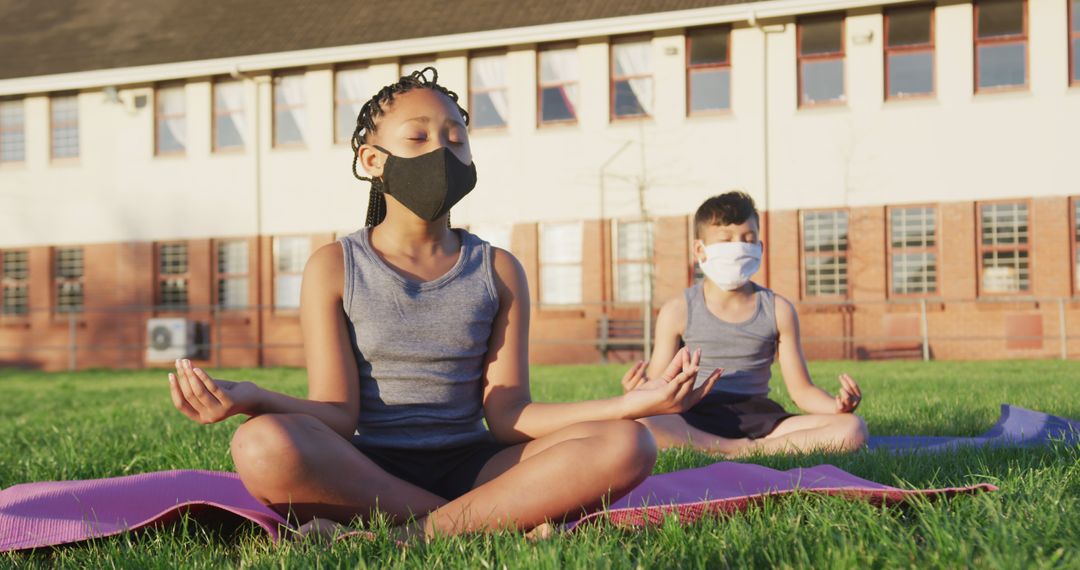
<point>365,125</point>
<point>733,207</point>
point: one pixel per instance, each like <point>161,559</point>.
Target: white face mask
<point>731,264</point>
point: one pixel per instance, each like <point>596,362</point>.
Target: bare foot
<point>540,532</point>
<point>733,447</point>
<point>323,530</point>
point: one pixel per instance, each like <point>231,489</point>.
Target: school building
<point>172,165</point>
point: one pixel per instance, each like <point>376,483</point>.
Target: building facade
<point>915,164</point>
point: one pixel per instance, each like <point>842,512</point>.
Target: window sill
<point>15,323</point>
<point>552,312</point>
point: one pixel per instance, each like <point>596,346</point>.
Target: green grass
<point>108,423</point>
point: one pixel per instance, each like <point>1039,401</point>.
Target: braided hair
<point>365,125</point>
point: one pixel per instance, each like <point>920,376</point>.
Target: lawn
<point>108,423</point>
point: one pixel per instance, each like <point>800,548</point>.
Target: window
<point>64,126</point>
<point>68,269</point>
<point>909,52</point>
<point>16,282</point>
<point>560,263</point>
<point>708,69</point>
<point>12,131</point>
<point>290,120</point>
<point>417,64</point>
<point>557,99</point>
<point>172,276</point>
<point>821,60</point>
<point>351,91</point>
<point>1000,44</point>
<point>489,106</point>
<point>498,235</point>
<point>290,255</point>
<point>913,250</point>
<point>228,115</point>
<point>232,274</point>
<point>631,79</point>
<point>1004,248</point>
<point>825,244</point>
<point>169,113</point>
<point>1074,39</point>
<point>632,258</point>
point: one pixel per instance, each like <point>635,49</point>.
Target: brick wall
<point>962,324</point>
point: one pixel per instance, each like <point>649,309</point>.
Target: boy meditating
<point>741,327</point>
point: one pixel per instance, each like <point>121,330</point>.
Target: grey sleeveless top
<point>744,350</point>
<point>419,347</point>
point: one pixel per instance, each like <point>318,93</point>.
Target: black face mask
<point>429,184</point>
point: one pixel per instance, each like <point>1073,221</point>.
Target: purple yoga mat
<point>1016,427</point>
<point>34,515</point>
<point>729,487</point>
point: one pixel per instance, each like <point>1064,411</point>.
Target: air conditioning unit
<point>169,339</point>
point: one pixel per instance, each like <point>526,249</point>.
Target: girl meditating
<point>414,334</point>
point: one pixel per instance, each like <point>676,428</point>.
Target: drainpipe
<point>258,81</point>
<point>767,205</point>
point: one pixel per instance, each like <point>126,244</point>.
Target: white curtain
<point>291,93</point>
<point>636,59</point>
<point>351,92</point>
<point>560,66</point>
<point>174,122</point>
<point>490,73</point>
<point>229,97</point>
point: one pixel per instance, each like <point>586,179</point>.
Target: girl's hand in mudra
<point>673,392</point>
<point>206,400</point>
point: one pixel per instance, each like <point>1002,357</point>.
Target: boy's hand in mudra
<point>207,400</point>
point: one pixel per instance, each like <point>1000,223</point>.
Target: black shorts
<point>735,415</point>
<point>448,473</point>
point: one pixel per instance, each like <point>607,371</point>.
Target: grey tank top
<point>744,350</point>
<point>419,347</point>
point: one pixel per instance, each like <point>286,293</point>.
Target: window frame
<point>159,278</point>
<point>1072,36</point>
<point>159,116</point>
<point>302,143</point>
<point>473,91</point>
<point>540,86</point>
<point>980,291</point>
<point>632,39</point>
<point>214,114</point>
<point>57,280</point>
<point>53,125</point>
<point>218,275</point>
<point>617,262</point>
<point>800,58</point>
<point>1002,40</point>
<point>23,282</point>
<point>890,249</point>
<point>690,69</point>
<point>930,47</point>
<point>275,249</point>
<point>22,104</point>
<point>353,66</point>
<point>804,255</point>
<point>541,264</point>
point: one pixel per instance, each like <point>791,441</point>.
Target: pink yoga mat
<point>34,515</point>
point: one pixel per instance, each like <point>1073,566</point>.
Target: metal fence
<point>35,336</point>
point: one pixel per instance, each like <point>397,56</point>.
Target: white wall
<point>954,146</point>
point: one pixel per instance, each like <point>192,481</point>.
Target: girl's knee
<point>630,449</point>
<point>264,440</point>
